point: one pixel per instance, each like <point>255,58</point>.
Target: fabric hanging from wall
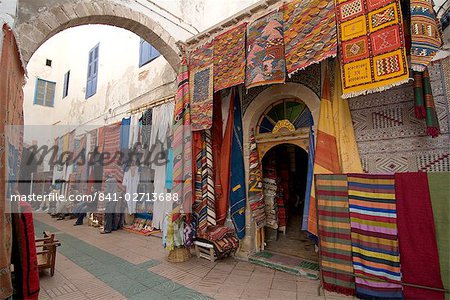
<point>237,182</point>
<point>202,98</point>
<point>419,103</point>
<point>224,163</point>
<point>424,105</point>
<point>265,51</point>
<point>309,33</point>
<point>201,57</point>
<point>417,237</point>
<point>182,140</point>
<point>373,221</point>
<point>101,139</point>
<point>125,133</point>
<point>204,205</point>
<point>160,207</point>
<point>11,110</point>
<point>439,185</point>
<point>216,148</point>
<point>372,46</point>
<point>169,169</point>
<point>161,125</point>
<point>326,154</point>
<point>309,176</point>
<point>131,179</point>
<point>146,129</point>
<point>25,254</point>
<point>229,58</point>
<point>134,131</point>
<point>432,122</point>
<point>334,231</point>
<point>348,152</point>
<point>111,150</point>
<point>201,84</point>
<point>255,185</point>
<point>425,34</point>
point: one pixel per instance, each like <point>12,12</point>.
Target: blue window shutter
<point>91,84</point>
<point>44,93</point>
<point>66,84</point>
<point>147,52</point>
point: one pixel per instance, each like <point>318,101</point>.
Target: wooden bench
<point>46,252</point>
<point>205,250</point>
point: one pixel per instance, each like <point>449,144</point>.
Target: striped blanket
<point>334,232</point>
<point>373,221</point>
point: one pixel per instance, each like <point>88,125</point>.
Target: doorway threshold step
<point>284,263</point>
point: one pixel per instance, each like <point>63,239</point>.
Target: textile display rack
<point>152,104</point>
<point>323,268</point>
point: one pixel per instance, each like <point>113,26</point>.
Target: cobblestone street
<point>123,265</point>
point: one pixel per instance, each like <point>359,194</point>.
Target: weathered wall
<point>122,85</point>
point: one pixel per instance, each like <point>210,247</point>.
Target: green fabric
<point>431,114</point>
<point>439,184</point>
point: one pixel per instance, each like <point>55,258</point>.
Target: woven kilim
<point>182,140</point>
<point>371,45</point>
<point>229,58</point>
<point>309,33</point>
<point>201,85</point>
<point>265,57</point>
<point>204,186</point>
<point>201,57</point>
<point>373,220</point>
<point>111,151</point>
<point>255,185</point>
<point>334,232</point>
<point>202,98</point>
<point>425,34</point>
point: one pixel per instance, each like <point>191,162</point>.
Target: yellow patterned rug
<point>371,44</point>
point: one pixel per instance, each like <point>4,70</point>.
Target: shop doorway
<point>285,168</point>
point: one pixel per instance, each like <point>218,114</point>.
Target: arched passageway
<point>33,31</point>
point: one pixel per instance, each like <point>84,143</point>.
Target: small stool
<point>205,250</point>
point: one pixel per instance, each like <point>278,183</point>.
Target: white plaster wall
<point>121,83</point>
<point>8,9</point>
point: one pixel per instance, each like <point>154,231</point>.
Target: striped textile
<point>182,140</point>
<point>432,121</point>
<point>111,163</point>
<point>334,232</point>
<point>255,185</point>
<point>204,205</point>
<point>208,178</point>
<point>425,34</point>
<point>373,221</point>
<point>326,159</point>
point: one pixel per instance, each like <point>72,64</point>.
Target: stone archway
<point>60,15</point>
<point>250,118</point>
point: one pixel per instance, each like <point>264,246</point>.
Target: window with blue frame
<point>66,84</point>
<point>147,53</point>
<point>44,93</point>
<point>92,74</point>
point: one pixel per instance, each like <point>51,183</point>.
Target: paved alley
<point>123,265</point>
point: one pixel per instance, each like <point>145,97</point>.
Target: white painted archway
<point>60,15</point>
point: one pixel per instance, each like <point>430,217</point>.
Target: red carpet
<point>417,237</point>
